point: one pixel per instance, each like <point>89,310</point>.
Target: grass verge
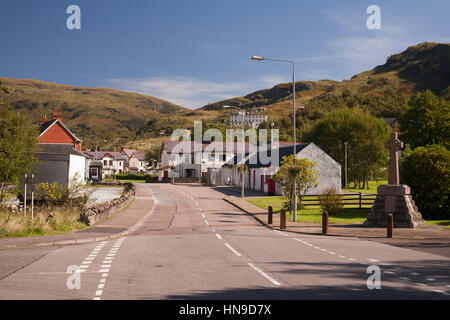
<point>349,215</point>
<point>17,225</point>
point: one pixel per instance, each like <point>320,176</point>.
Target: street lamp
<point>346,181</point>
<point>294,140</point>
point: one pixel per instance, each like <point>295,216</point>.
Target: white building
<point>260,176</point>
<point>187,159</point>
<point>242,118</point>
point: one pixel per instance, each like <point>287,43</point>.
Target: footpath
<point>123,222</point>
<point>429,238</point>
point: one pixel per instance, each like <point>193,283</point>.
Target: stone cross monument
<point>394,198</point>
<point>394,145</point>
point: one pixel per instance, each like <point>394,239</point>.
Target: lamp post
<point>346,181</point>
<point>294,140</point>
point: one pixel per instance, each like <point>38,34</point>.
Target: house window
<point>224,157</point>
<point>105,162</point>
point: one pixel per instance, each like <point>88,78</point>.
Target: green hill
<point>384,90</point>
<point>139,120</point>
<point>91,113</point>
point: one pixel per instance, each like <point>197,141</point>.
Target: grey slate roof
<point>254,160</point>
<point>59,149</point>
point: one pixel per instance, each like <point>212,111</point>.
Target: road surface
<point>194,245</point>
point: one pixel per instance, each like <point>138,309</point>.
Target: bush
<point>131,177</point>
<point>331,201</point>
<point>75,194</point>
<point>426,170</point>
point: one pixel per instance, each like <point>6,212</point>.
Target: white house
<point>188,159</point>
<point>259,175</point>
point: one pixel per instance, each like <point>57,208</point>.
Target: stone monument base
<point>397,200</point>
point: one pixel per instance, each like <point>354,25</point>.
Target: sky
<point>195,52</point>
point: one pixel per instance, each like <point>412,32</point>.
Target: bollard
<point>282,219</point>
<point>270,218</point>
<point>325,222</point>
<point>390,225</point>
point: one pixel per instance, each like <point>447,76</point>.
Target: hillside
<point>384,90</point>
<point>91,113</point>
<point>143,122</point>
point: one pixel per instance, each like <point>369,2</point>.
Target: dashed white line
<point>233,250</point>
<point>264,274</point>
<point>218,236</point>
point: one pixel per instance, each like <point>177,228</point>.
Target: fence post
<point>390,225</point>
<point>282,219</point>
<point>270,218</point>
<point>360,198</point>
<point>325,222</point>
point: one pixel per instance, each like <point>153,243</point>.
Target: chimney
<point>43,119</point>
<point>57,114</point>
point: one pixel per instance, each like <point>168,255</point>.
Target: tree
<point>302,173</point>
<point>365,135</point>
<point>427,171</point>
<point>18,144</point>
<point>152,156</point>
<point>427,121</point>
<point>242,168</point>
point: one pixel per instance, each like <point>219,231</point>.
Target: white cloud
<point>191,92</point>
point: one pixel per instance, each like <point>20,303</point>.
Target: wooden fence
<point>348,199</point>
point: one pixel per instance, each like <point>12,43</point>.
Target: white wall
<point>77,165</point>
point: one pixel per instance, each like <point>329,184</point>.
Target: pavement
<point>113,227</point>
<point>191,244</point>
<point>429,238</point>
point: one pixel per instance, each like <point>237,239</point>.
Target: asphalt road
<point>194,245</point>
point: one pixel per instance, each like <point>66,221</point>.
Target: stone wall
<point>96,213</point>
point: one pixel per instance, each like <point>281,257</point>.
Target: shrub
<point>331,201</point>
<point>76,193</point>
<point>427,171</point>
<point>131,177</point>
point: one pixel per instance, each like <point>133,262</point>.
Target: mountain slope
<point>383,90</point>
<point>91,113</point>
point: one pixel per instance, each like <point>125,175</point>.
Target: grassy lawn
<point>373,185</point>
<point>445,223</point>
<point>349,215</point>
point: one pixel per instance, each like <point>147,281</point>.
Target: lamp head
<point>257,58</point>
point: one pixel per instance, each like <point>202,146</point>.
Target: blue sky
<point>198,51</point>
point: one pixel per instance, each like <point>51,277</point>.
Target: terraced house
<point>125,161</point>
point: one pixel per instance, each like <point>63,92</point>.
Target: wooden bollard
<point>390,225</point>
<point>270,218</point>
<point>282,219</point>
<point>325,222</point>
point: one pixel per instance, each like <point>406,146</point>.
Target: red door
<point>271,186</point>
<point>166,174</point>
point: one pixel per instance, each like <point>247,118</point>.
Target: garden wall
<point>98,212</point>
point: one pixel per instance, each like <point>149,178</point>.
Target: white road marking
<point>405,278</point>
<point>218,236</point>
<point>206,221</point>
<point>389,272</point>
<point>431,279</point>
<point>233,250</point>
<point>264,274</point>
